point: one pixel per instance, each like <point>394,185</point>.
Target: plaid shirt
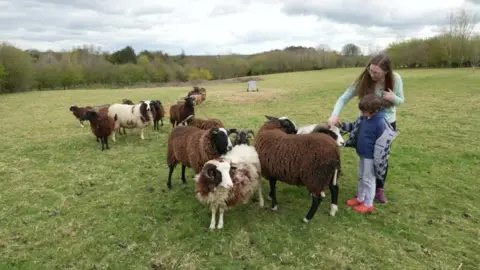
<point>382,145</point>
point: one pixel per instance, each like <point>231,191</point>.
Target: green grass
<point>66,205</point>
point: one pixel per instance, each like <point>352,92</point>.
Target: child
<point>371,126</point>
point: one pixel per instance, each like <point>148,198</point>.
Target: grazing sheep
<point>191,120</point>
<point>192,147</point>
<point>132,116</point>
<point>102,125</point>
<point>243,136</point>
<point>321,128</point>
<point>127,101</point>
<point>231,179</point>
<point>311,160</point>
<point>159,113</point>
<point>178,112</point>
<point>79,112</point>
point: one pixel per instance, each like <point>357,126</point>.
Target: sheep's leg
<point>81,124</point>
<point>170,172</point>
<point>260,195</point>
<point>212,221</point>
<point>141,134</point>
<point>313,208</point>
<point>102,139</point>
<point>105,138</point>
<point>220,218</point>
<point>334,191</point>
<point>183,174</point>
<point>273,193</point>
<point>161,120</point>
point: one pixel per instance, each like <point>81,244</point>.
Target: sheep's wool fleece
<point>245,182</point>
<point>382,145</point>
<point>244,154</point>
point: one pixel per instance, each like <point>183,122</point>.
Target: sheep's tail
<point>115,118</point>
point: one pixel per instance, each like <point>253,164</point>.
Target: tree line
<point>88,67</point>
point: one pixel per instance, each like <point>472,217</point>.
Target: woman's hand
<point>389,95</point>
<point>333,120</point>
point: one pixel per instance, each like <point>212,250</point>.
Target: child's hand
<point>389,95</point>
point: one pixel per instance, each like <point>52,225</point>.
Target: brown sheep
<point>202,123</point>
<point>178,112</point>
<point>159,113</point>
<point>101,125</point>
<point>192,147</point>
<point>79,112</point>
<point>311,160</point>
<point>198,98</point>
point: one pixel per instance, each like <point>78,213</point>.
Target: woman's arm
<point>343,99</point>
<point>398,91</point>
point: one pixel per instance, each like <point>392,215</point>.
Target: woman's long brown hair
<point>364,83</point>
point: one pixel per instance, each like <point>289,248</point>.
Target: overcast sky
<point>214,26</point>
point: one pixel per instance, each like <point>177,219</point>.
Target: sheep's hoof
<point>220,226</point>
<point>305,220</point>
<point>212,226</point>
<point>333,209</point>
<point>322,194</point>
<point>275,208</point>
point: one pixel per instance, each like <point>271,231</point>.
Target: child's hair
<point>371,103</point>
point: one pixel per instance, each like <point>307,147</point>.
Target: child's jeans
<point>366,181</point>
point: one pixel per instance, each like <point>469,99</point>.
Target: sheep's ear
<point>232,130</point>
<point>270,117</point>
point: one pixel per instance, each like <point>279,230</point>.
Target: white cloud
<point>214,26</point>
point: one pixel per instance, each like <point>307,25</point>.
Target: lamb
<point>198,98</point>
<point>159,113</point>
<point>311,160</point>
<point>101,124</point>
<point>191,120</point>
<point>243,137</point>
<point>79,112</point>
<point>200,94</point>
<point>178,112</point>
<point>132,116</point>
<point>322,127</point>
<point>192,147</point>
<point>231,179</point>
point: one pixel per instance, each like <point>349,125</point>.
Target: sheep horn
<point>207,168</point>
<point>187,119</point>
<point>249,130</point>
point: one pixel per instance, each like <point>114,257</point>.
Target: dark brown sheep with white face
<point>79,112</point>
<point>191,120</point>
<point>311,160</point>
<point>178,112</point>
<point>101,124</point>
<point>192,147</point>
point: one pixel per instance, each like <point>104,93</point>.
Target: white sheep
<point>228,180</point>
<point>132,116</point>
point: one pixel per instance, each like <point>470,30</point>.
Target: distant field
<point>66,205</point>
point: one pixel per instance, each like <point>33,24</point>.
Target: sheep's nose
<point>229,148</point>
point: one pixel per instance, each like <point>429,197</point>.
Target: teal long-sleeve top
<point>390,113</point>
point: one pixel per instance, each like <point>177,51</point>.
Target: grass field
<point>67,205</point>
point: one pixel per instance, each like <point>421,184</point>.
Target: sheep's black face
<point>72,108</point>
<point>288,126</point>
<point>89,115</point>
<point>220,140</point>
<point>242,138</point>
<point>189,101</point>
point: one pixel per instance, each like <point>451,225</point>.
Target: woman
<point>378,77</point>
